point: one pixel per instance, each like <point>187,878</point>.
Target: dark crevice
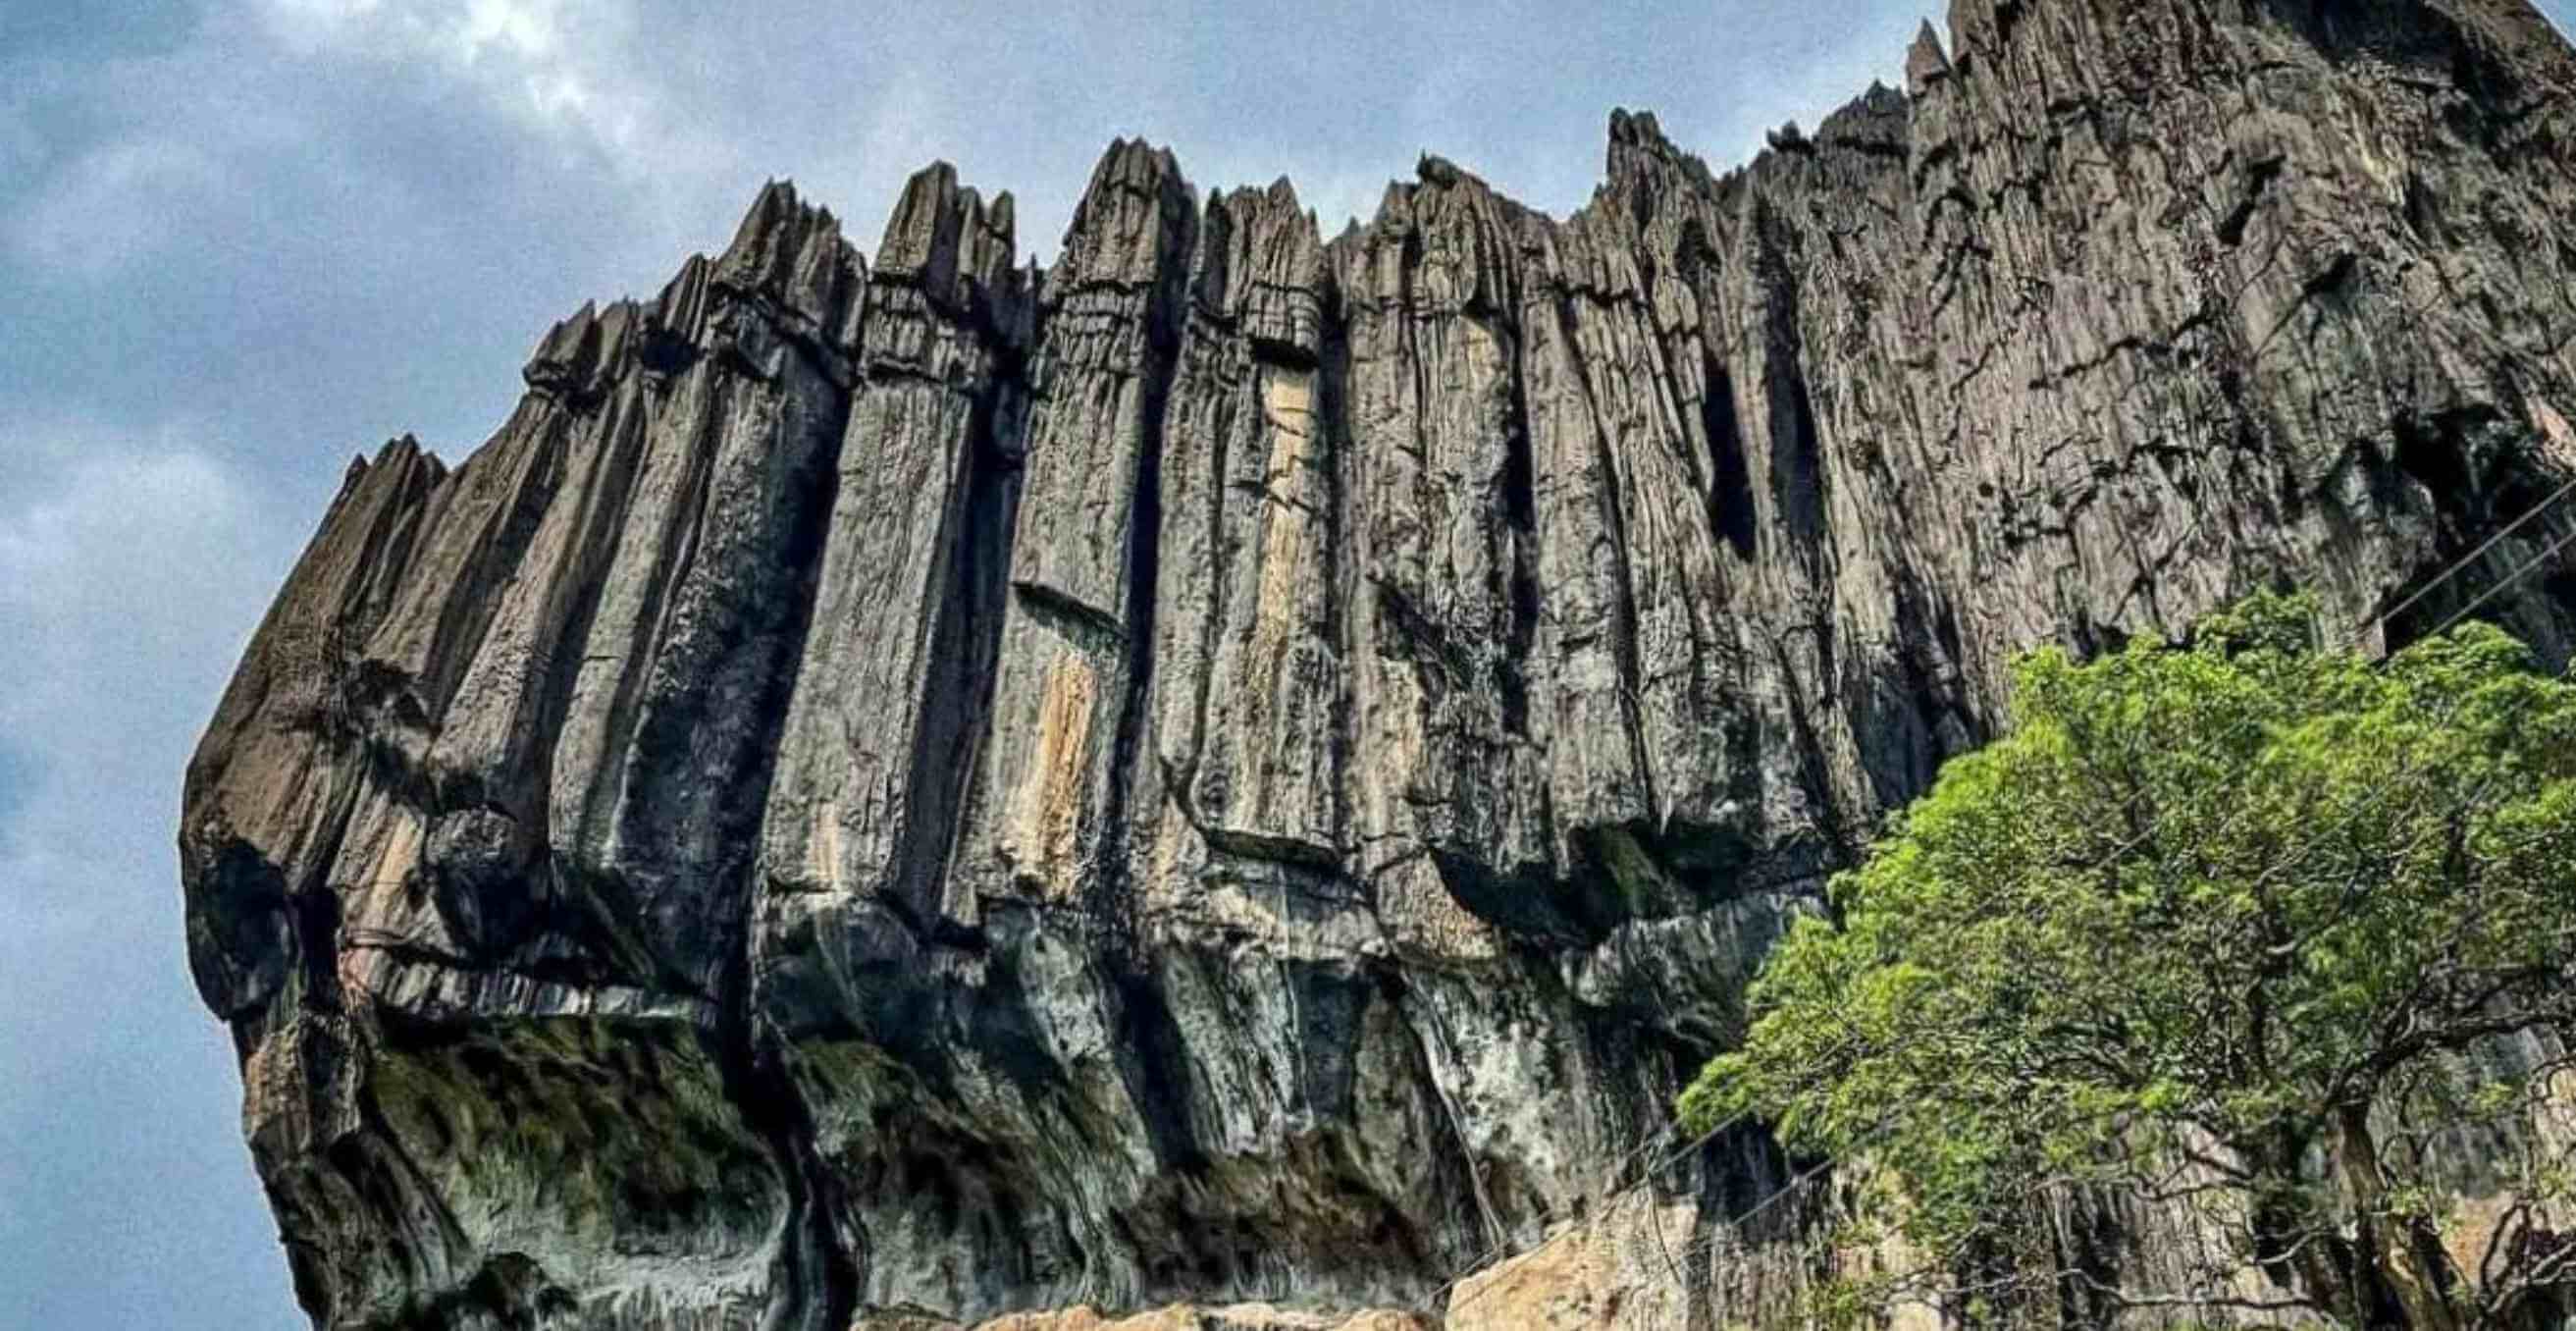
<point>815,1277</point>
<point>2334,277</point>
<point>1108,905</point>
<point>1270,849</point>
<point>1333,435</point>
<point>1907,702</point>
<point>2008,16</point>
<point>2435,452</point>
<point>1088,624</point>
<point>1797,458</point>
<point>951,724</point>
<point>1277,352</point>
<point>240,932</point>
<point>1415,637</point>
<point>1815,771</point>
<point>1797,462</point>
<point>2258,178</point>
<point>2424,211</point>
<point>1520,517</point>
<point>1107,890</point>
<point>935,931</point>
<point>1154,1059</point>
<point>315,920</point>
<point>2473,477</point>
<point>1531,902</point>
<point>1730,499</point>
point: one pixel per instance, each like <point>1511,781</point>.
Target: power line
<point>2465,560</point>
<point>2456,566</point>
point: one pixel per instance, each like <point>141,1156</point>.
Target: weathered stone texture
<point>1240,769</point>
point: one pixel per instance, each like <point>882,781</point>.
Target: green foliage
<point>2179,931</point>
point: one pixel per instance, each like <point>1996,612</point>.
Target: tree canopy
<point>2273,936</point>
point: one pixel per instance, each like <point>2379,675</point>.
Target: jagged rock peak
<point>1438,171</point>
<point>402,450</point>
<point>1638,149</point>
<point>1445,241</point>
<point>792,256</point>
<point>585,350</point>
<point>1132,223</point>
<point>788,259</point>
<point>945,240</point>
<point>1925,62</point>
<point>1644,175</point>
<point>1262,268</point>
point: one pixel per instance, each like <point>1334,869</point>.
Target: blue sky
<point>241,241</point>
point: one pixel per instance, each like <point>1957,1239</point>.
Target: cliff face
<point>1247,767</point>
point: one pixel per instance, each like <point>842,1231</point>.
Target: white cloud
<point>112,207</point>
<point>130,573</point>
<point>532,28</point>
<point>568,68</point>
<point>131,567</point>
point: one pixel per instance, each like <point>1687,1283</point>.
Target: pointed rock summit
<point>1925,62</point>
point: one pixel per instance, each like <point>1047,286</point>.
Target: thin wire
<point>2508,580</point>
<point>2130,806</point>
<point>2483,546</point>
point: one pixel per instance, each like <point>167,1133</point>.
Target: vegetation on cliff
<point>2246,922</point>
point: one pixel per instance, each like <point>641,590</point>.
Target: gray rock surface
<point>1237,768</point>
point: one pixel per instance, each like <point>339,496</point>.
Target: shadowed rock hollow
<point>1245,769</point>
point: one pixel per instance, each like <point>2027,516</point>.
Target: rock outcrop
<point>1240,768</point>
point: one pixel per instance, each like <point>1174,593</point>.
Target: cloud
<point>112,208</point>
<point>22,150</point>
<point>569,70</point>
<point>315,245</point>
<point>130,573</point>
<point>131,569</point>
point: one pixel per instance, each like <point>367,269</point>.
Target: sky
<point>240,241</point>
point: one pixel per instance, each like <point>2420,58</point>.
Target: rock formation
<point>1240,768</point>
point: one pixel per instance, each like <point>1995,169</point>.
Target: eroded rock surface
<point>1242,769</point>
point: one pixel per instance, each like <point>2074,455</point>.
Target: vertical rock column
<point>888,705</point>
<point>1450,800</point>
<point>1056,786</point>
<point>858,936</point>
<point>1248,692</point>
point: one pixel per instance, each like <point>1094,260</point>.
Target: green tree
<point>2243,926</point>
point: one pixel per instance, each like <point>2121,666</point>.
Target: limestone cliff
<point>1245,768</point>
